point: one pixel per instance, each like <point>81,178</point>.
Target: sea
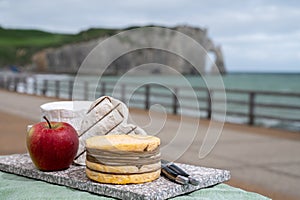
<point>262,82</point>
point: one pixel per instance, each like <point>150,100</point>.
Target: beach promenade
<point>262,160</point>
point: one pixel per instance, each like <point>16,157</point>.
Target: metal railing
<point>250,105</point>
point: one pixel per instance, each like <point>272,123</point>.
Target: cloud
<point>263,51</point>
<point>265,31</point>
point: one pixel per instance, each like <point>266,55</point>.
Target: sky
<point>255,35</point>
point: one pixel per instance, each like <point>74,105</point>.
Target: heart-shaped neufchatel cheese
<point>105,116</point>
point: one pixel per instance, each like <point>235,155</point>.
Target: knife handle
<point>178,170</point>
<point>172,175</point>
<point>181,172</point>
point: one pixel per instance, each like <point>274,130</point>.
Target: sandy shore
<point>13,133</point>
<point>262,160</point>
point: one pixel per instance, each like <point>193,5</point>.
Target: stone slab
<point>75,177</point>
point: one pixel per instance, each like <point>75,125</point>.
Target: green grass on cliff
<point>17,46</point>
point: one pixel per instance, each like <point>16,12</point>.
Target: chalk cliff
<point>69,58</point>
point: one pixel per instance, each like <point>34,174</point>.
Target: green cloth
<point>17,187</point>
<point>221,192</point>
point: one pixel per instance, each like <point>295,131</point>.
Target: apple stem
<point>49,124</point>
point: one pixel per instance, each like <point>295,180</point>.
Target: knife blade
<point>180,171</point>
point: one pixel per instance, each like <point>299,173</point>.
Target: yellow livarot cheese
<point>122,179</point>
<point>124,142</point>
<point>123,169</point>
<point>123,159</point>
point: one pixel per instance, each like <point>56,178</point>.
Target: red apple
<point>52,145</point>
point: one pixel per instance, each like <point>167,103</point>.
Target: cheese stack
<point>123,159</point>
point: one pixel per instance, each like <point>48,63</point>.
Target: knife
<point>166,165</point>
<point>173,176</point>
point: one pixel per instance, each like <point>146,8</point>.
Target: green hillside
<point>17,45</point>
